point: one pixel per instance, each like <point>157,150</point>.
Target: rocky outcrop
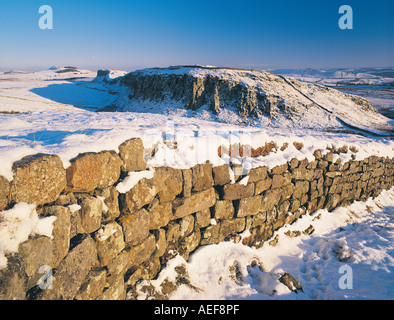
<point>103,242</point>
<point>252,94</point>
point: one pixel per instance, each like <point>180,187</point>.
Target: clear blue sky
<point>130,34</point>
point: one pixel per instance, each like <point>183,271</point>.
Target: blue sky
<point>260,34</point>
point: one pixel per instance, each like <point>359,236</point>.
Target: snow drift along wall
<point>93,230</point>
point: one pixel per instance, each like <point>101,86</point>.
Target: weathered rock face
<point>209,89</point>
<point>38,179</point>
<point>251,93</point>
<point>104,242</point>
<point>93,170</point>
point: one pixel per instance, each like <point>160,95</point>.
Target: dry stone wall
<point>104,242</point>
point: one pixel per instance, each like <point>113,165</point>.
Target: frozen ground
<point>360,236</point>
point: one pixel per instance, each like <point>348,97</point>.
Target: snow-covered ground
<point>348,256</point>
<point>54,112</point>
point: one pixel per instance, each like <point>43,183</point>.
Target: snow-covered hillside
<point>247,96</point>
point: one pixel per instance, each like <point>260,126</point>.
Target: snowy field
<point>51,112</point>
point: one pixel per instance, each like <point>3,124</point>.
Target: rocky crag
<point>273,99</point>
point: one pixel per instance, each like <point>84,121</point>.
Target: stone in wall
<point>187,182</point>
<point>140,195</point>
<point>237,191</point>
<point>159,214</point>
<point>196,202</point>
<point>223,209</point>
<point>110,197</point>
<point>110,242</point>
<point>72,271</point>
<point>202,178</point>
<point>35,252</point>
<point>170,183</point>
<point>257,174</point>
<point>38,179</point>
<point>221,175</point>
<point>13,279</point>
<point>90,214</point>
<point>93,170</point>
<point>132,154</point>
<point>135,227</point>
<point>61,232</point>
<point>4,192</point>
<point>249,206</point>
<point>93,286</point>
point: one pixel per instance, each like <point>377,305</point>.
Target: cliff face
<point>250,94</point>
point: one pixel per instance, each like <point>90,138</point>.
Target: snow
<point>359,236</point>
<point>132,179</point>
<point>57,116</point>
<point>17,224</point>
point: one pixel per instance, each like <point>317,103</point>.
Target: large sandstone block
<point>93,170</point>
<point>135,227</point>
<point>140,195</point>
<point>303,174</point>
<point>221,175</point>
<point>170,183</point>
<point>249,206</point>
<point>237,191</point>
<point>110,197</point>
<point>196,202</point>
<point>257,174</point>
<point>280,180</point>
<point>132,154</point>
<point>38,179</point>
<point>90,214</point>
<point>202,178</point>
<point>61,232</point>
<point>4,192</point>
<point>115,291</point>
<point>109,241</point>
<point>203,218</point>
<point>263,185</point>
<point>270,199</point>
<point>72,271</point>
<point>228,227</point>
<point>35,252</point>
<point>144,250</point>
<point>93,286</point>
<point>187,182</point>
<point>13,280</point>
<point>159,214</point>
<point>223,209</point>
